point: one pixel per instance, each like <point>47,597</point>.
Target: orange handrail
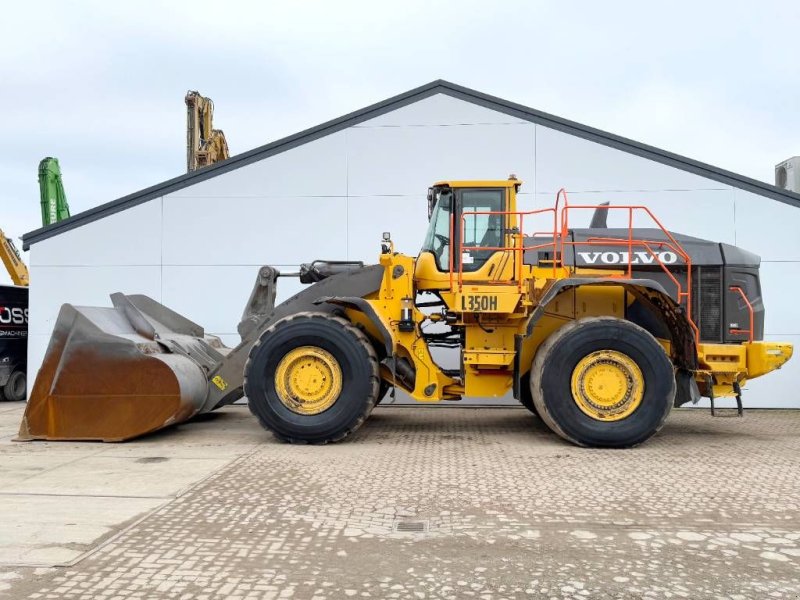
<point>630,241</point>
<point>749,332</point>
<point>560,241</point>
<point>519,249</point>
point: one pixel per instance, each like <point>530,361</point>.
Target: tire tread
<point>369,355</point>
<point>537,369</point>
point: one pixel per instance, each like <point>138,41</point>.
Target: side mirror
<point>431,202</point>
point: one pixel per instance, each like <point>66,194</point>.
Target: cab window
<point>437,240</point>
<point>481,230</point>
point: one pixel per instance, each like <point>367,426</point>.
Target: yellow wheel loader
<point>600,331</point>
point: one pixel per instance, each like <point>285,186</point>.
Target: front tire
<point>602,382</point>
<point>312,378</point>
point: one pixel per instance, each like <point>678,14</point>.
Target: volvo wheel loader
<point>599,331</point>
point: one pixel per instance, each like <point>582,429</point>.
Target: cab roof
<point>478,183</point>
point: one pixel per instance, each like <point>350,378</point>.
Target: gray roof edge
<point>393,103</point>
<point>625,144</point>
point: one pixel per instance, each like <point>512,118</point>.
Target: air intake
<point>787,174</point>
<point>707,302</point>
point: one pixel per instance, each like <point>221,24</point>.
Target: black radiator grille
<point>707,302</point>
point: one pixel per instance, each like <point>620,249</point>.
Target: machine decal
<point>15,315</point>
<point>219,382</point>
<point>478,303</point>
<point>638,257</point>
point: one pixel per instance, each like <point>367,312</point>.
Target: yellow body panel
<point>474,183</point>
<point>484,299</point>
<point>734,364</point>
<point>492,304</point>
<point>764,357</point>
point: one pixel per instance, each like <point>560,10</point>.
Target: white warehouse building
<point>329,192</point>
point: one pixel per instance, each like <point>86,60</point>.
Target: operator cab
<point>471,210</point>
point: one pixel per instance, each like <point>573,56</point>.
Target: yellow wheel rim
<point>308,380</point>
<point>607,385</point>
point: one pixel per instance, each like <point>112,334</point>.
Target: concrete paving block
<point>459,503</point>
<point>10,415</point>
<point>17,466</point>
<point>50,530</point>
<point>151,477</point>
<point>60,499</point>
<point>177,450</point>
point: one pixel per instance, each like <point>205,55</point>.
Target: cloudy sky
<point>100,85</point>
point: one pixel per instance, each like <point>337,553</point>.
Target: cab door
<point>471,213</point>
<point>478,233</point>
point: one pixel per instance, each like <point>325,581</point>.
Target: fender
<point>650,293</point>
<point>365,307</point>
<point>260,315</point>
<point>402,370</point>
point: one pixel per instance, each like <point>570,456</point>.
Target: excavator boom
<point>204,144</point>
<point>51,189</point>
<point>13,262</point>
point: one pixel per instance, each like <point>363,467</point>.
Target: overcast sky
<point>100,85</point>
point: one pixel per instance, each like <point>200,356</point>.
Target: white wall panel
<point>579,165</point>
<point>368,217</point>
<point>253,231</point>
<point>406,160</point>
<point>317,168</point>
<point>767,227</point>
<point>440,110</point>
<point>707,214</point>
<point>37,346</point>
<point>130,237</point>
<point>779,289</point>
<point>215,296</point>
<point>85,286</point>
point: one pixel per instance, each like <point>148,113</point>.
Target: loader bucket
<point>112,374</point>
<point>117,373</point>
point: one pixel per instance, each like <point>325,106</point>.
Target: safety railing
<point>518,250</point>
<point>749,332</point>
<point>558,240</point>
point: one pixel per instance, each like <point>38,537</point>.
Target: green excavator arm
<point>51,190</point>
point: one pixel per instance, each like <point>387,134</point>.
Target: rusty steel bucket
<point>120,372</point>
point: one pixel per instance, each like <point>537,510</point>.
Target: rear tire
<point>338,339</point>
<point>560,357</point>
<point>15,388</point>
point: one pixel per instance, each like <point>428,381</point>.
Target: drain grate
<point>411,526</point>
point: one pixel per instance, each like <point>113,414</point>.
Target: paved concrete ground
<point>710,508</point>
